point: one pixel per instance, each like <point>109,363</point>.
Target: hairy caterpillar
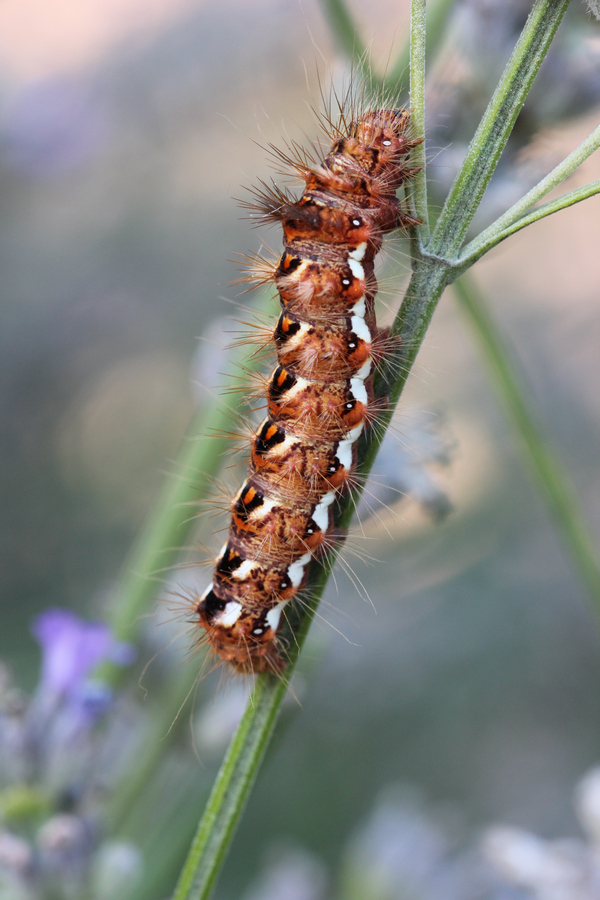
<point>320,395</point>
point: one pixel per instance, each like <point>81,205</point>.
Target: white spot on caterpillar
<point>359,252</point>
<point>242,571</point>
<point>274,615</point>
<point>359,308</point>
<point>343,454</point>
<point>360,329</point>
<point>359,392</point>
<point>207,592</point>
<point>230,614</point>
<point>364,370</point>
<point>356,269</point>
<point>264,509</point>
<point>320,514</point>
<point>295,571</point>
<point>221,552</point>
<point>354,435</point>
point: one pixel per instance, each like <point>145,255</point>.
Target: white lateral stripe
<point>359,308</point>
<point>343,454</point>
<point>356,269</point>
<point>295,571</point>
<point>359,391</point>
<point>354,435</point>
<point>360,329</point>
<point>344,448</point>
<point>321,515</point>
<point>364,370</point>
<point>274,615</point>
<point>359,252</point>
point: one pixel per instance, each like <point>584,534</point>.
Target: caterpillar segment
<point>303,455</point>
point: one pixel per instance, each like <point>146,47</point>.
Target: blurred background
<point>470,685</point>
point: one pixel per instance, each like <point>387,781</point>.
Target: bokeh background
<point>472,680</point>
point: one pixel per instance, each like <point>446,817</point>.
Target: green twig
<point>417,100</point>
<point>241,764</point>
<point>437,17</point>
<point>495,127</point>
<point>479,248</point>
<point>549,471</point>
<point>231,790</point>
<point>502,227</point>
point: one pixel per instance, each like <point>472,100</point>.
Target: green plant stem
<point>495,127</point>
<point>547,468</point>
<point>417,99</point>
<point>437,17</point>
<point>240,767</point>
<point>231,790</point>
<point>480,248</point>
<point>241,764</point>
<point>559,174</point>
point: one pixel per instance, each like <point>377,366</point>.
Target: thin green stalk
<point>500,229</point>
<point>230,791</point>
<point>495,127</point>
<point>437,17</point>
<point>479,249</point>
<point>417,100</point>
<point>549,471</point>
<point>241,764</point>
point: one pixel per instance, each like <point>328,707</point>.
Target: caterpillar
<point>319,398</point>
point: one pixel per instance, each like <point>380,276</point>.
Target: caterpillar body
<point>320,395</point>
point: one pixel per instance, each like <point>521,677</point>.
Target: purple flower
<point>72,649</point>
